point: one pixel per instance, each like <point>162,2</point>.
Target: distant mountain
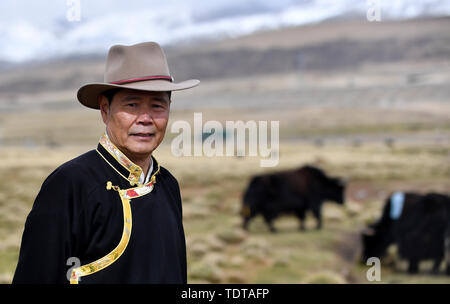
<point>23,40</point>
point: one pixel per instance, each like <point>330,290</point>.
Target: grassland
<point>377,149</point>
<point>218,250</point>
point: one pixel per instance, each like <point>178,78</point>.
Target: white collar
<point>145,179</point>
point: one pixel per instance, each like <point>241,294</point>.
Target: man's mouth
<point>145,135</point>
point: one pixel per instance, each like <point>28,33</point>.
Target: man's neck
<point>144,164</point>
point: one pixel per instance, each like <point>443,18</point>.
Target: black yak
<point>417,224</point>
<point>290,192</point>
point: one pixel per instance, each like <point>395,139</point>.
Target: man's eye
<point>131,105</point>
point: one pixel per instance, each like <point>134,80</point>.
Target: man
<point>113,215</point>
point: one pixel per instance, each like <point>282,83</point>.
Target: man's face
<point>136,121</point>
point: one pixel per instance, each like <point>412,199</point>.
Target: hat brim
<point>88,94</point>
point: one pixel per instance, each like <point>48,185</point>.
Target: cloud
<point>40,30</point>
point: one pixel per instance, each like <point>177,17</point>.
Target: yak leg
<point>301,216</point>
<point>319,223</point>
<point>413,267</point>
<point>447,252</point>
<point>447,262</point>
<point>271,227</point>
<point>317,215</point>
<point>436,266</point>
<point>269,222</point>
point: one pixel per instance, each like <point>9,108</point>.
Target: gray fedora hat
<point>140,66</point>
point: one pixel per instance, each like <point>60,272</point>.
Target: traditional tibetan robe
<point>93,209</point>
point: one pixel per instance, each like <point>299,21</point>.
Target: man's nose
<point>145,117</point>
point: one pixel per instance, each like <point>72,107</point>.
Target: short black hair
<point>109,94</point>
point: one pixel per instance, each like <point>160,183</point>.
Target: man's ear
<point>104,107</point>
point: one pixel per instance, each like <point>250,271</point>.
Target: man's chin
<point>141,150</point>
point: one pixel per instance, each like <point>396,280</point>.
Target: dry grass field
<point>382,125</point>
<point>218,250</point>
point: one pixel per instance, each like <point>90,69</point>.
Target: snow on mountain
<point>24,39</point>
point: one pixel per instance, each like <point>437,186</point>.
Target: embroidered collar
<point>124,166</point>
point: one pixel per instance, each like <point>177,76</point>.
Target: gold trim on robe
<point>126,195</point>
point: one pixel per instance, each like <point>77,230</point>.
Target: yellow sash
<point>125,196</point>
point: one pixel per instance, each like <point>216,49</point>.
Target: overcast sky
<point>41,28</point>
<point>43,11</point>
<point>38,29</point>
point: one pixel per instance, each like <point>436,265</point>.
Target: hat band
<point>170,78</point>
